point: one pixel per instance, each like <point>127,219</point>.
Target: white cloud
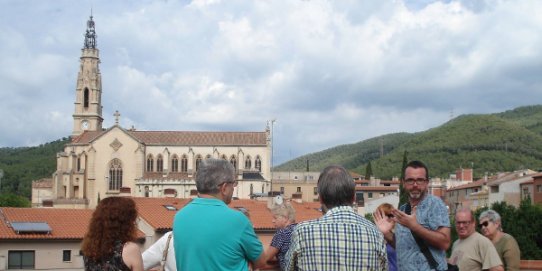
<point>330,72</point>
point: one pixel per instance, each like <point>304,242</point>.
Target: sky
<point>329,72</point>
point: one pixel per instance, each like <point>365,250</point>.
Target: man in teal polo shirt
<point>208,235</point>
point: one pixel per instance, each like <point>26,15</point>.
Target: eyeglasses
<point>419,181</point>
<point>466,223</point>
<point>484,224</point>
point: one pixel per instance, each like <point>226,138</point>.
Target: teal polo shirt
<point>208,235</point>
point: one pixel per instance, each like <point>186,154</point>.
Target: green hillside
<point>491,143</point>
<point>24,164</point>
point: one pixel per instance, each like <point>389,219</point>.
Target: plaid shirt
<point>340,240</point>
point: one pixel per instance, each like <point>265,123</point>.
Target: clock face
<point>84,125</point>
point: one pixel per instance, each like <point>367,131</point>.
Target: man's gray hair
<point>492,216</point>
<point>212,173</point>
<point>336,187</point>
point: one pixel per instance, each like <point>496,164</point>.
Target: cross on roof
<point>117,116</point>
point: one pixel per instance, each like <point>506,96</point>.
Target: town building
<point>101,162</point>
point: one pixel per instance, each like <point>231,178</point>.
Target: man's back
<point>340,240</point>
<point>211,236</point>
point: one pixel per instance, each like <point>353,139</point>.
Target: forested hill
<point>491,143</point>
<point>22,165</point>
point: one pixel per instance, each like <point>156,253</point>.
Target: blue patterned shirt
<point>432,214</point>
<point>281,241</point>
<point>339,240</point>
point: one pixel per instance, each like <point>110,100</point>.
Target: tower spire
<point>90,35</point>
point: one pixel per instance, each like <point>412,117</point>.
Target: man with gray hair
<point>208,235</point>
<point>341,239</point>
<point>472,251</point>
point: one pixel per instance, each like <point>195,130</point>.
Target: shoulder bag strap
<point>422,245</point>
<point>164,255</point>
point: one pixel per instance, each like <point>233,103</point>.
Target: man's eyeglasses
<point>466,223</point>
<point>234,183</point>
<point>419,181</point>
<point>484,224</point>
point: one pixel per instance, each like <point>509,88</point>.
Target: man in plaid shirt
<point>341,239</point>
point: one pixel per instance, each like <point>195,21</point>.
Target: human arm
<point>153,255</point>
<point>131,255</point>
<point>270,253</point>
<point>496,268</point>
<point>439,238</point>
<point>511,255</point>
<point>385,225</point>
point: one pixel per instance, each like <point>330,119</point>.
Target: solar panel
<point>31,227</point>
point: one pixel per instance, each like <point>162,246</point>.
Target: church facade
<point>100,162</point>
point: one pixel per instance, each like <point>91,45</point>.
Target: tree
<point>12,200</point>
<point>368,171</point>
<point>403,197</point>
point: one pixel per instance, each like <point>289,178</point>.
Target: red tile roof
<point>377,188</point>
<point>190,138</point>
<point>152,210</point>
<point>64,223</point>
<point>477,183</point>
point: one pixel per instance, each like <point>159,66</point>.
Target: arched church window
<point>159,163</point>
<point>115,175</point>
<point>258,163</point>
<point>85,98</point>
<point>233,161</point>
<point>224,157</point>
<point>184,163</point>
<point>150,163</point>
<point>198,161</point>
<point>175,164</point>
<point>248,163</point>
<point>78,164</point>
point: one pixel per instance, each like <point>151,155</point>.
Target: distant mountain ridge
<point>489,143</point>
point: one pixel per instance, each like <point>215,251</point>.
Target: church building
<point>101,162</point>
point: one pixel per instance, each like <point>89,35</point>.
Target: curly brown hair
<point>112,221</point>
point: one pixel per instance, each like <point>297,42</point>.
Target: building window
<point>184,164</point>
<point>316,190</point>
<point>85,98</point>
<point>233,162</point>
<point>208,156</point>
<point>224,157</point>
<point>539,188</point>
<point>150,163</point>
<point>263,189</point>
<point>282,190</point>
<point>299,189</point>
<point>66,255</point>
<point>78,164</point>
<point>198,161</point>
<point>248,163</point>
<point>21,259</point>
<point>258,163</point>
<point>251,189</point>
<point>370,195</point>
<point>115,175</point>
<point>495,189</point>
<point>159,163</point>
<point>175,164</point>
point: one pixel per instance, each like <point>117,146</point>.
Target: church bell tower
<point>88,93</point>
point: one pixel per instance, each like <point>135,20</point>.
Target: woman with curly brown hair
<point>109,243</point>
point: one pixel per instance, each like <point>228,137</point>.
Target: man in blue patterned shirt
<point>341,239</point>
<point>425,216</point>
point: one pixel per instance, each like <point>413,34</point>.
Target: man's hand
<point>402,218</point>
